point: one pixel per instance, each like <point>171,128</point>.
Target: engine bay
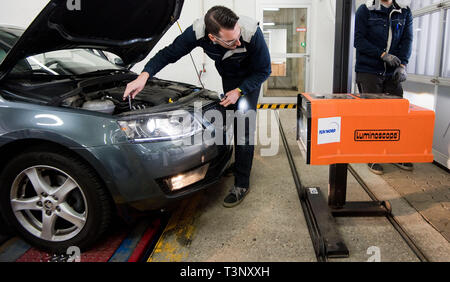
<point>156,93</point>
<point>105,94</point>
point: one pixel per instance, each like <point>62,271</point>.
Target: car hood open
<point>129,29</point>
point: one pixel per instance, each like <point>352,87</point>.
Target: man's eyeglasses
<point>229,43</point>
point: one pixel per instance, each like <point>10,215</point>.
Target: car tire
<point>54,200</point>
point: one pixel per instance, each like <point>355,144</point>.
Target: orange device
<point>363,128</point>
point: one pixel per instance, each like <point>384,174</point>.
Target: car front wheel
<point>54,200</point>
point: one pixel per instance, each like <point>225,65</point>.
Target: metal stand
<point>320,216</point>
<point>326,238</point>
<point>337,194</point>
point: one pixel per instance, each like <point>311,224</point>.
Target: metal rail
<point>314,232</point>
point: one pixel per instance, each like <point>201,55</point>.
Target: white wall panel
<point>183,70</point>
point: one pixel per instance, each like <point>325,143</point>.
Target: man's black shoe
<point>405,166</point>
<point>376,168</point>
<point>235,196</point>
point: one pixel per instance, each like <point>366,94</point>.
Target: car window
<point>60,62</point>
<point>64,62</point>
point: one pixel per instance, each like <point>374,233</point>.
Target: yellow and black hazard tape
<point>277,106</point>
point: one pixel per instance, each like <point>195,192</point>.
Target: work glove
<point>391,60</point>
<point>400,74</point>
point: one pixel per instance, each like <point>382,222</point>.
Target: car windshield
<point>65,62</point>
<point>60,62</point>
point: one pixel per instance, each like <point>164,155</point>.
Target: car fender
<point>35,137</point>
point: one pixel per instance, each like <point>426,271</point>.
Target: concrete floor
<point>269,226</point>
<point>427,189</point>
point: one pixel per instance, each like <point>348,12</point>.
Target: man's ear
<point>211,37</point>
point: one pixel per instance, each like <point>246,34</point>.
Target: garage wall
<point>183,70</point>
<point>22,12</point>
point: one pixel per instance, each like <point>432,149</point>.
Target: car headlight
<point>161,126</point>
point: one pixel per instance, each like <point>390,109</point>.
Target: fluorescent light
<point>269,24</point>
<point>271,9</point>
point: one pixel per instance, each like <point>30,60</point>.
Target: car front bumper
<point>135,173</point>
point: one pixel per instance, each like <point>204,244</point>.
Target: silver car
<point>71,148</point>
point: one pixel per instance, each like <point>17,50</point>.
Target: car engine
<point>110,101</point>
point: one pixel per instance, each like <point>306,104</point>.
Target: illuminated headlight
<point>180,181</point>
<point>161,126</point>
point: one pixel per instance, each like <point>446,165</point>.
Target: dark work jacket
<point>372,26</point>
<point>249,63</point>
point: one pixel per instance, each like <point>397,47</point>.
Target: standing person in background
<point>383,42</point>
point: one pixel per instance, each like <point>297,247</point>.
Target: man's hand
<point>400,74</point>
<point>231,98</point>
<point>391,60</point>
<point>136,86</point>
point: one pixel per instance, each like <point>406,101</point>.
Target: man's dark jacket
<point>372,25</point>
<point>249,63</point>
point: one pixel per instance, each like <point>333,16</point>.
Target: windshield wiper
<point>101,72</point>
